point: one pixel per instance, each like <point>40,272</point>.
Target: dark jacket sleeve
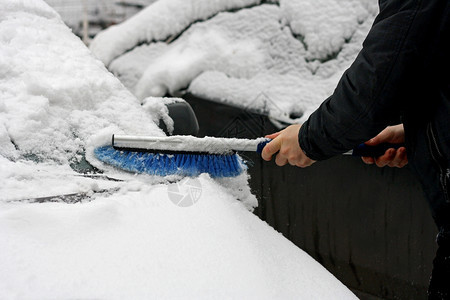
<point>369,95</point>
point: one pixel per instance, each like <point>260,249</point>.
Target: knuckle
<point>285,151</point>
<point>280,163</point>
<point>302,163</point>
<point>268,148</point>
<point>293,158</point>
<point>379,164</point>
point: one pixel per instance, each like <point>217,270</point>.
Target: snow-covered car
<point>293,52</point>
<point>123,235</point>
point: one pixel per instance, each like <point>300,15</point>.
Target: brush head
<point>184,164</point>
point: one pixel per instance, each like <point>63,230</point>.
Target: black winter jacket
<point>402,74</point>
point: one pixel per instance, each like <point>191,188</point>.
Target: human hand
<point>285,142</point>
<point>392,157</point>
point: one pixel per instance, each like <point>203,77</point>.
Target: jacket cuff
<point>306,145</point>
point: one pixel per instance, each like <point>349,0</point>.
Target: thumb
<point>373,141</point>
<point>273,135</point>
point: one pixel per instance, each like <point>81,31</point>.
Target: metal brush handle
<point>186,144</point>
<point>218,145</point>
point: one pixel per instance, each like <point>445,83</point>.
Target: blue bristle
<point>172,164</point>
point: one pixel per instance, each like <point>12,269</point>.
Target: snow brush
<point>178,155</point>
<point>191,156</point>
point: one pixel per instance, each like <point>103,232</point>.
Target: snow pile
<point>282,59</point>
<point>207,48</point>
<point>164,19</point>
<point>326,25</point>
<point>127,236</point>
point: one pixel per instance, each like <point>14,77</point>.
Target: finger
<point>386,158</point>
<point>368,160</point>
<point>293,162</point>
<point>280,160</point>
<point>404,160</point>
<point>305,163</point>
<point>400,159</point>
<point>396,160</point>
<point>404,157</point>
<point>270,149</point>
<point>273,135</point>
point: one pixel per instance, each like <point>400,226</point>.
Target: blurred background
<point>87,17</point>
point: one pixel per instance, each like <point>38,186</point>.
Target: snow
<point>139,245</point>
<point>158,109</point>
<point>130,236</point>
<point>208,48</point>
<point>325,25</point>
<point>282,59</point>
<point>57,95</point>
<point>188,143</point>
<point>164,19</point>
<point>97,13</point>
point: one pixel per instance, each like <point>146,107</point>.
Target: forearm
<point>369,95</point>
